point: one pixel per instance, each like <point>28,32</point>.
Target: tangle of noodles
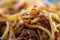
<point>28,20</point>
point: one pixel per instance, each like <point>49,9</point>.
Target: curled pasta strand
<point>53,28</point>
<point>40,27</point>
<point>6,31</point>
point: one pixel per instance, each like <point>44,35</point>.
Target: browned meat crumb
<point>43,35</point>
<point>2,28</point>
<point>28,34</point>
<point>57,35</point>
<point>44,21</point>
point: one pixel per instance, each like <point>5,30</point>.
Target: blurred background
<point>53,1</point>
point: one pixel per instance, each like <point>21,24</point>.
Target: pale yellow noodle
<point>12,35</point>
<point>53,28</point>
<point>56,17</point>
<point>5,34</point>
<point>17,26</point>
<point>41,28</point>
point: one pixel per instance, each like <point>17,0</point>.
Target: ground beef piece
<point>43,35</point>
<point>2,28</point>
<point>2,24</point>
<point>57,35</point>
<point>44,21</point>
<point>28,34</point>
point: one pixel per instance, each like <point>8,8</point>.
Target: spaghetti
<point>36,23</point>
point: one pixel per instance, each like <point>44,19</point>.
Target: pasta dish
<point>28,20</point>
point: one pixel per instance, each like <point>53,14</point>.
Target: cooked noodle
<point>45,18</point>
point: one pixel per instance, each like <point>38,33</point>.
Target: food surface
<point>29,20</point>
